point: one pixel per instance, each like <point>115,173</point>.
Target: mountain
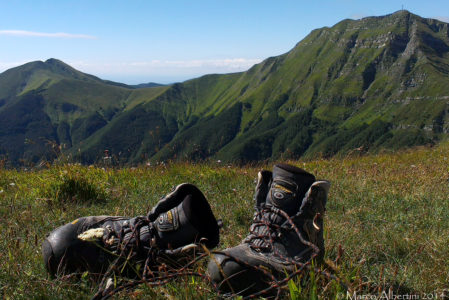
<point>44,104</point>
<point>369,84</point>
<point>145,85</point>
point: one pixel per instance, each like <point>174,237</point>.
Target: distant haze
<point>164,71</point>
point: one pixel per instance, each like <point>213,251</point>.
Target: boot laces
<point>269,224</point>
<point>130,237</point>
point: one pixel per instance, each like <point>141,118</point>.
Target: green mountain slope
<point>69,103</point>
<point>369,84</point>
<point>379,82</point>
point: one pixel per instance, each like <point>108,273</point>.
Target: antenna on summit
<point>402,8</point>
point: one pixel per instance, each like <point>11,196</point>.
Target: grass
<point>386,224</point>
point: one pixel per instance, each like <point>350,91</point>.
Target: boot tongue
<point>288,187</point>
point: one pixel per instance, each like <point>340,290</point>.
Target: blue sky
<point>137,41</point>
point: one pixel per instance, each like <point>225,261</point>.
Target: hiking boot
<point>91,243</point>
<point>286,233</point>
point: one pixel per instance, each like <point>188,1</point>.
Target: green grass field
<point>387,224</point>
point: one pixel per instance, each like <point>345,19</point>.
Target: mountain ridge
<point>374,83</point>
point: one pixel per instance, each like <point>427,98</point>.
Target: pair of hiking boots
<point>286,233</point>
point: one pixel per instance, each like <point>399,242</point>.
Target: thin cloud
<point>24,33</point>
<point>214,65</point>
<point>442,18</point>
<point>230,63</point>
<point>7,65</point>
<point>358,16</point>
<point>164,71</point>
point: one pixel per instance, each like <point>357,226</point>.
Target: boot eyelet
<point>279,195</point>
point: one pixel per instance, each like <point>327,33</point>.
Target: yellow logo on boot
<point>283,188</point>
